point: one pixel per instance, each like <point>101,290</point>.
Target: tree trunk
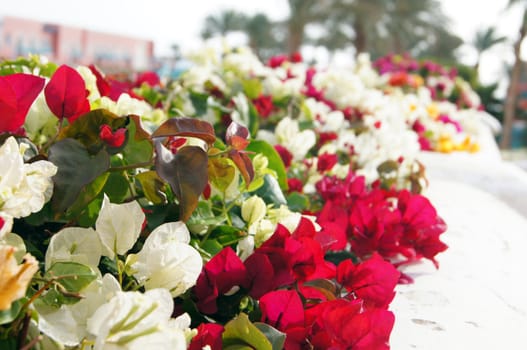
<point>512,92</point>
<point>360,37</point>
<point>296,35</point>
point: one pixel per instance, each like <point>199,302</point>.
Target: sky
<point>180,22</point>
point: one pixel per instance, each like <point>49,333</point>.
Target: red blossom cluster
<point>316,304</point>
<point>399,225</point>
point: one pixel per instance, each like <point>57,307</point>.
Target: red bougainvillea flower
<point>296,57</point>
<point>150,78</point>
<point>375,227</point>
<point>284,153</point>
<point>326,161</point>
<point>17,93</point>
<point>342,324</point>
<point>66,94</point>
<point>111,138</point>
<point>102,83</point>
<point>208,334</point>
<point>372,280</point>
<point>295,185</point>
<point>264,105</point>
<point>277,61</point>
<point>219,275</point>
<point>421,225</point>
<point>260,274</point>
<point>283,310</point>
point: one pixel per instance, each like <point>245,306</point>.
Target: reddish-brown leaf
<point>244,164</point>
<point>235,134</point>
<point>186,173</point>
<point>184,126</point>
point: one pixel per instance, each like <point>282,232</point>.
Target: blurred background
<point>482,39</point>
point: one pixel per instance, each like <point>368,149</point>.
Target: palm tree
<point>223,23</point>
<point>510,100</point>
<point>484,40</point>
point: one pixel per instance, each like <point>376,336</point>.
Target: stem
<point>131,166</point>
<point>23,333</point>
<point>52,140</point>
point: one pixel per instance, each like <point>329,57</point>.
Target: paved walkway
<point>478,297</point>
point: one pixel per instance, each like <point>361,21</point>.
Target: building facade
<point>74,46</point>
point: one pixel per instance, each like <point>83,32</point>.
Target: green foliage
<point>240,333</point>
<point>76,169</point>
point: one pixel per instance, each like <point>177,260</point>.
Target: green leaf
<point>297,201</point>
<point>276,337</point>
<point>270,192</point>
<point>187,127</point>
<point>211,246</point>
<point>9,344</point>
<point>117,187</point>
<point>152,186</point>
<point>71,275</point>
<point>10,315</point>
<point>87,194</point>
<point>76,169</point>
<point>240,333</point>
<point>139,147</point>
<point>199,102</point>
<point>186,173</point>
<point>252,87</point>
<point>275,162</point>
<point>221,172</point>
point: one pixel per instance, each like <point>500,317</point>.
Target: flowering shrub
<point>242,205</point>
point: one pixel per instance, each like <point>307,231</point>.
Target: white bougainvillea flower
<point>14,278</point>
<point>298,142</point>
<point>77,244</point>
<point>68,324</point>
<point>24,188</point>
<point>131,320</point>
<point>119,226</point>
<point>253,209</point>
<point>167,260</point>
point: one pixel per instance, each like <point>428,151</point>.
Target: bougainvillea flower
<point>17,93</point>
<point>112,138</point>
<point>219,275</point>
<point>150,78</point>
<point>103,85</point>
<point>372,280</point>
<point>66,94</point>
<point>326,161</point>
<point>277,61</point>
<point>283,310</point>
<point>209,334</point>
<point>14,278</point>
<point>422,225</point>
<point>260,274</point>
<point>284,153</point>
<point>264,105</point>
<point>375,228</point>
<point>343,324</point>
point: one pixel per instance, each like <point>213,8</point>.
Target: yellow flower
<point>445,144</point>
<point>14,278</point>
<point>432,110</point>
